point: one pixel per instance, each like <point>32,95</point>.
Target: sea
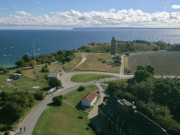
<point>16,43</point>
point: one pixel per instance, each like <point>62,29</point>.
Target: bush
<point>54,82</point>
<point>38,95</point>
<point>81,88</point>
<point>44,69</point>
<point>4,70</point>
<point>4,127</point>
<point>19,71</point>
<point>57,101</point>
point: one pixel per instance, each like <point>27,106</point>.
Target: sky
<point>68,14</point>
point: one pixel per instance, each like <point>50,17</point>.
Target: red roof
<point>90,96</point>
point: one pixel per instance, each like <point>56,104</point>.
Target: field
<point>65,120</point>
<point>89,77</point>
<point>98,62</point>
<point>165,63</point>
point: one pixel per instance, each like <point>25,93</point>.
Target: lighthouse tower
<point>113,46</point>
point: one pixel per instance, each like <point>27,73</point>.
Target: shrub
<point>38,95</point>
<point>81,88</point>
<point>44,69</point>
<point>57,101</point>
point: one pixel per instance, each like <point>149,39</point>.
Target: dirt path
<point>83,60</point>
<point>122,65</point>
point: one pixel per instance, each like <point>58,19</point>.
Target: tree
<point>150,69</point>
<point>53,82</point>
<point>11,112</point>
<point>20,63</point>
<point>26,58</point>
<point>57,101</point>
<point>141,75</point>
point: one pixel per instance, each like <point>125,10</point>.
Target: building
<point>53,75</point>
<point>122,117</point>
<point>113,46</point>
<point>17,76</point>
<point>89,99</point>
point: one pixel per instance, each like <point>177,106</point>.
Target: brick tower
<point>113,46</point>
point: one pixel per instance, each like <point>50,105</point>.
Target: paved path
<point>94,112</point>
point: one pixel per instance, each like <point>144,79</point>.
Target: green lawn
<point>75,96</point>
<point>89,77</point>
<point>63,120</point>
<point>23,84</point>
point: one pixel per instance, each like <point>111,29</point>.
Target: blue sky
<point>100,13</point>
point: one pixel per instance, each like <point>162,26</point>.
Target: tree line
<point>158,98</point>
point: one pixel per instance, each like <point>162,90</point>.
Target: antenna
<point>35,66</point>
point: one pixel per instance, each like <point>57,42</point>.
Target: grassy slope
<point>76,96</point>
<point>69,65</point>
<point>88,77</point>
<point>165,63</point>
<point>62,121</point>
<point>93,63</point>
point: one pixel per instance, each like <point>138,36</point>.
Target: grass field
<point>89,77</point>
<point>75,96</point>
<point>125,62</point>
<point>69,65</point>
<point>63,120</point>
<point>98,62</point>
<point>165,63</point>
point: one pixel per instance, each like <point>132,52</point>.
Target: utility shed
<point>89,99</point>
<point>53,75</point>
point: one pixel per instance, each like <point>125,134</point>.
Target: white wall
<point>87,103</point>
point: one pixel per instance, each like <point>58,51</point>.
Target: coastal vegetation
<point>89,77</point>
<point>165,62</point>
<point>125,46</point>
<point>156,98</point>
<point>61,56</point>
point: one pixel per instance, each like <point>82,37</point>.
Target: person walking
<point>20,130</point>
<point>24,129</point>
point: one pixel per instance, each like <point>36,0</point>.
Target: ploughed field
<point>165,63</point>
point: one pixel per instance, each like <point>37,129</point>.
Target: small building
<point>89,99</point>
<point>53,75</point>
<point>122,117</point>
<point>17,76</point>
